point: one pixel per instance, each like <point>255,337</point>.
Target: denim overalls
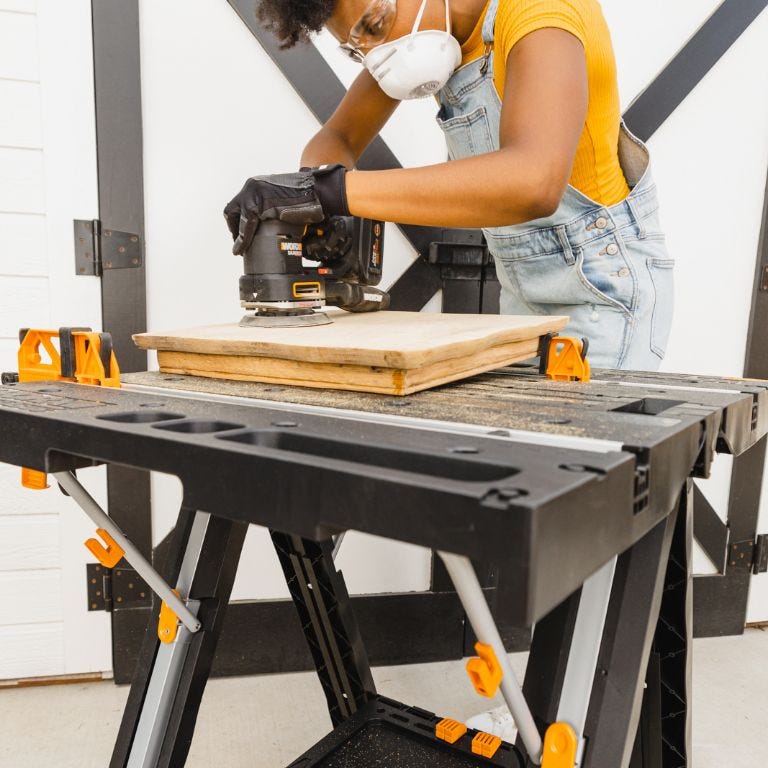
<point>606,267</point>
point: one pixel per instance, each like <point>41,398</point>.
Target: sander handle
<point>354,297</point>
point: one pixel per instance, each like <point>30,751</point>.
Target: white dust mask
<point>417,64</point>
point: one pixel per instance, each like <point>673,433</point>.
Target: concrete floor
<point>265,722</point>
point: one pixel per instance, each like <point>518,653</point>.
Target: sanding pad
<point>285,321</point>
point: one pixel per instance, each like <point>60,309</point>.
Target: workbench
<point>577,492</point>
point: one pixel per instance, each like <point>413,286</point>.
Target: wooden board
<point>386,352</point>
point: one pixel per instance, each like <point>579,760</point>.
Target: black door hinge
<point>98,248</point>
<point>119,587</point>
<point>750,555</point>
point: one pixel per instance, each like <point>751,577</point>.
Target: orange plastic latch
<point>168,623</point>
<point>108,556</point>
<point>485,672</point>
<point>485,744</point>
<point>560,747</point>
<point>450,730</point>
<point>34,480</point>
<point>30,359</point>
<point>92,351</point>
<point>94,359</point>
<point>566,360</point>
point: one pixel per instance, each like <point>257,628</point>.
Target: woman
<point>540,158</point>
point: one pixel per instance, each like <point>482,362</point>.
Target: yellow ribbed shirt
<point>596,169</point>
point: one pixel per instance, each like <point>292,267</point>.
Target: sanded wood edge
<point>355,378</point>
<point>392,358</point>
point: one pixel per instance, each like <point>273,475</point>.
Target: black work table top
<point>492,497</point>
<point>629,407</point>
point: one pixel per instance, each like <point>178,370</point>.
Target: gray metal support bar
<point>85,501</point>
<point>464,578</point>
<point>168,666</point>
<point>585,650</point>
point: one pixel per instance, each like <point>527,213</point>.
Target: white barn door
<point>47,179</point>
<point>710,160</point>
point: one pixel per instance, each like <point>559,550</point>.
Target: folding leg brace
<point>580,669</point>
<point>159,718</point>
<point>330,628</point>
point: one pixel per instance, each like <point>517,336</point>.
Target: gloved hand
<point>306,197</point>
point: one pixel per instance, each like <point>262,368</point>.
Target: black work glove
<point>306,197</point>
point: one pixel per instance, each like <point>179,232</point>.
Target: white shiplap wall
<point>47,178</point>
<point>31,622</point>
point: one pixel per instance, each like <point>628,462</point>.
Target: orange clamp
<point>79,356</point>
<point>108,556</point>
<point>168,623</point>
<point>567,359</point>
<point>450,730</point>
<point>95,361</point>
<point>485,672</point>
<point>560,747</point>
<point>485,744</point>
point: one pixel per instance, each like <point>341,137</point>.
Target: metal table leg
<point>554,682</point>
<point>633,615</point>
<point>159,719</point>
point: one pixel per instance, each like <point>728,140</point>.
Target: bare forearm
<point>326,148</point>
<point>496,189</point>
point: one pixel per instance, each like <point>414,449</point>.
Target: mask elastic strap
<point>417,22</point>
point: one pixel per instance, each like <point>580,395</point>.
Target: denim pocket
<point>661,270</point>
<point>466,135</point>
<point>548,279</point>
<point>606,270</point>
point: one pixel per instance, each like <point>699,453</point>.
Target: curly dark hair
<point>292,20</point>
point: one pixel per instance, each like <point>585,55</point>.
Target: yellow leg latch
<point>485,671</point>
<point>560,747</point>
<point>108,556</point>
<point>168,623</point>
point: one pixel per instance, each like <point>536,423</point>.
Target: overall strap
<point>490,22</point>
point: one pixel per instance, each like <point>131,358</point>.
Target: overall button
<point>612,249</point>
<point>623,272</point>
<point>601,223</point>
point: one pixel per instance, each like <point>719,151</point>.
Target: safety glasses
<point>371,29</point>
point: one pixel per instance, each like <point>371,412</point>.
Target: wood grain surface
<point>402,340</point>
<point>354,378</point>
